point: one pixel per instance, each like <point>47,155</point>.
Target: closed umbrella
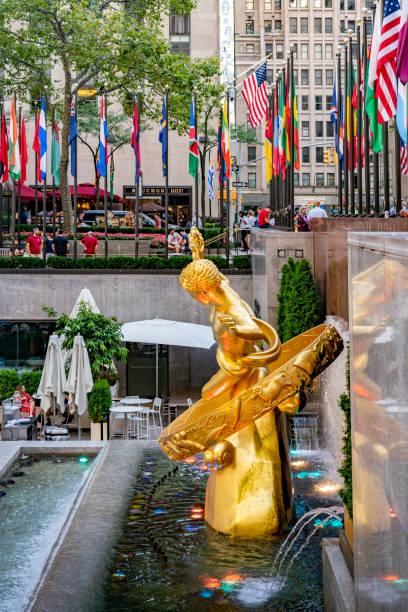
<point>87,297</point>
<point>53,381</point>
<point>80,381</point>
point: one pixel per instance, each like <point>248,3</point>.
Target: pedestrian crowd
<point>52,244</point>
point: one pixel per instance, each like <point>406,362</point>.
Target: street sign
<point>234,167</point>
<point>239,184</point>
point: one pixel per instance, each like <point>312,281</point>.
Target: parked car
<point>91,218</point>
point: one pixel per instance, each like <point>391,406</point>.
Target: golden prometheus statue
<point>239,421</point>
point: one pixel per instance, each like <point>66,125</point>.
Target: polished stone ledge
<point>338,585</point>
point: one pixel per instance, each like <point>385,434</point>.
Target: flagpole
<point>366,124</point>
<point>19,180</point>
<point>292,143</point>
<point>45,181</point>
<point>76,180</point>
<point>272,119</point>
<point>283,190</point>
<point>397,153</point>
<point>278,176</point>
<point>288,165</point>
<point>338,102</point>
<point>1,186</point>
<point>345,135</point>
<point>351,122</point>
<point>137,202</point>
<point>359,117</point>
<point>376,165</point>
<point>227,238</point>
<point>105,195</point>
<point>210,199</point>
<point>221,182</point>
<point>166,189</point>
<point>13,192</point>
<point>53,179</point>
<point>386,168</point>
<point>35,174</point>
<point>196,175</point>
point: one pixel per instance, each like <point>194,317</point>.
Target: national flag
<point>352,117</point>
<point>402,107</point>
<point>210,181</point>
<point>334,114</point>
<point>135,142</point>
<point>36,147</point>
<point>23,152</point>
<point>42,136</point>
<point>402,51</point>
<point>268,149</point>
<point>163,136</point>
<point>282,158</point>
<point>255,95</point>
<point>193,145</point>
<point>404,158</point>
<point>295,130</point>
<point>275,134</point>
<point>371,103</point>
<point>225,142</point>
<point>220,158</point>
<point>286,123</point>
<point>14,150</point>
<point>386,91</point>
<point>55,153</point>
<point>358,87</point>
<point>341,133</point>
<point>4,151</point>
<point>97,175</point>
<point>103,143</point>
<point>111,175</point>
<point>73,133</point>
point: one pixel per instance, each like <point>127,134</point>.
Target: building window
<point>319,76</point>
<point>296,179</point>
<point>251,180</point>
<point>250,26</point>
<point>351,5</point>
<point>269,49</point>
<point>279,51</point>
<point>329,129</point>
<point>303,4</point>
<point>319,129</point>
<point>268,5</point>
<point>328,102</point>
<point>251,153</point>
<point>305,155</point>
<point>351,25</point>
<point>305,179</point>
<point>328,4</point>
<point>318,103</point>
<point>179,24</point>
<point>304,51</point>
<point>329,76</point>
<point>278,4</point>
<point>319,179</point>
<point>305,103</point>
<point>330,179</point>
<point>250,49</point>
<point>295,76</point>
<point>317,25</point>
<point>249,5</point>
<point>328,25</point>
<point>318,51</point>
<point>318,3</point>
<point>268,26</point>
<point>292,3</point>
<point>304,76</point>
<point>278,25</point>
<point>328,52</point>
<point>180,44</point>
<point>295,50</point>
<point>304,25</point>
<point>305,129</point>
<point>319,155</point>
<point>24,344</point>
<point>293,25</point>
<point>269,75</point>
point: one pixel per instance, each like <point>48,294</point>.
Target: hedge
<point>31,380</point>
<point>99,401</point>
<point>242,262</point>
<point>10,379</point>
<point>207,232</point>
<point>21,262</point>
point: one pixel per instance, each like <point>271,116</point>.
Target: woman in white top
<point>251,223</point>
<point>244,226</point>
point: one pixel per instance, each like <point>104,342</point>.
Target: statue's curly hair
<point>200,275</point>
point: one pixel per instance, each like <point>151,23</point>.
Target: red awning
<point>86,191</point>
<point>27,194</point>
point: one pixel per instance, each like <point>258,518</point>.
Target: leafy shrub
<point>299,304</point>
<point>220,262</point>
<point>346,493</point>
<point>91,263</point>
<point>5,262</point>
<point>26,262</point>
<point>179,261</point>
<point>155,262</point>
<point>59,262</point>
<point>99,401</point>
<point>121,262</point>
<point>242,262</point>
<point>31,381</point>
<point>8,382</point>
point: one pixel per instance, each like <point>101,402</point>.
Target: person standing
<point>90,244</point>
<point>251,223</point>
<point>34,243</point>
<point>244,227</point>
<point>48,245</point>
<point>157,220</point>
<point>301,221</point>
<point>316,213</point>
<point>60,244</point>
<point>263,218</point>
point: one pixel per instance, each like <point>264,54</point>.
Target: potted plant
<point>113,379</point>
<point>346,493</point>
<point>99,403</point>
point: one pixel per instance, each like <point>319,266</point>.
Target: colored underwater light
<point>196,516</point>
<point>327,488</point>
<point>83,460</point>
<point>294,451</point>
<point>393,514</point>
<point>391,578</point>
<point>309,475</point>
<point>159,511</point>
<point>206,593</point>
<point>332,522</point>
<point>227,586</point>
<point>233,578</point>
<point>298,464</point>
<point>190,460</point>
<point>211,583</point>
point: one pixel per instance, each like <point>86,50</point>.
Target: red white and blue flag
<point>386,90</point>
<point>102,165</point>
<point>135,142</point>
<point>193,145</point>
<point>42,136</point>
<point>255,95</point>
<point>403,158</point>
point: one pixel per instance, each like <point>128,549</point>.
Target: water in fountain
<point>305,432</point>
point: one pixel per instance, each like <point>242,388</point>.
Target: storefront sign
<point>129,191</point>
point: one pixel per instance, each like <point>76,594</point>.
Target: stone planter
<point>99,431</point>
<point>348,529</point>
<point>114,389</point>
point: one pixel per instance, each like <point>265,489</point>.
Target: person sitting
<point>173,241</point>
<point>90,244</point>
<point>60,244</point>
<point>17,249</point>
<point>27,402</point>
<point>184,242</point>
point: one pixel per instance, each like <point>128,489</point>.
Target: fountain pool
<point>35,499</point>
<point>169,559</point>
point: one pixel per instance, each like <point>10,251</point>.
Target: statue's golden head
<point>200,276</point>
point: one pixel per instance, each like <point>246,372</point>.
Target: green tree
<point>346,492</point>
<point>299,304</point>
<point>101,43</point>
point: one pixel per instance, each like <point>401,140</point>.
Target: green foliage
<point>21,262</point>
<point>31,380</point>
<point>242,262</point>
<point>155,262</point>
<point>299,304</point>
<point>99,401</point>
<point>59,262</point>
<point>9,380</point>
<point>220,262</point>
<point>346,493</point>
<point>102,336</point>
<point>179,261</point>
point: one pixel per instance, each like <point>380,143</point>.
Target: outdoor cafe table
<point>125,410</point>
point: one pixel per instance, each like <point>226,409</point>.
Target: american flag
<point>255,95</point>
<point>210,181</point>
<point>404,158</point>
<point>386,91</point>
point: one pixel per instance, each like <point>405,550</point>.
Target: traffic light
<point>335,157</point>
<point>327,156</point>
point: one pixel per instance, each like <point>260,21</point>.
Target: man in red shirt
<point>90,244</point>
<point>34,243</point>
<point>263,218</point>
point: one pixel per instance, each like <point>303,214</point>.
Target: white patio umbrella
<point>87,297</point>
<point>80,381</point>
<point>53,381</point>
<point>162,331</point>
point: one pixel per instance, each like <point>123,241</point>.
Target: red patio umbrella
<point>86,191</point>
